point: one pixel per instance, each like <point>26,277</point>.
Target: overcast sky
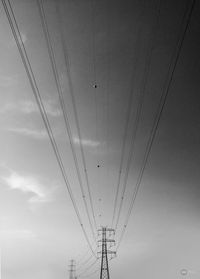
<point>108,44</point>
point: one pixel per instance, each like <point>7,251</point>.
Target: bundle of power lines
<point>86,264</point>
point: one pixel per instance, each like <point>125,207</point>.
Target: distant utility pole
<point>72,270</point>
<point>104,274</point>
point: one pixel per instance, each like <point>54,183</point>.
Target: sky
<point>109,44</point>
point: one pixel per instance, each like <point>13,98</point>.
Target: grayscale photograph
<point>99,139</point>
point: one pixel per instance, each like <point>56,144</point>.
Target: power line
<point>88,268</point>
<point>139,110</point>
<point>62,103</point>
<point>27,65</point>
<point>93,40</point>
<point>90,274</point>
<point>82,257</point>
<point>81,266</point>
<point>71,90</point>
<point>93,53</point>
<point>107,111</point>
<point>85,262</point>
<point>127,120</point>
<point>175,57</point>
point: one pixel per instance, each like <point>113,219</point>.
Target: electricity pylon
<point>72,269</point>
<point>104,274</point>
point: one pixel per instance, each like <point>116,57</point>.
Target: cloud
<point>25,184</point>
<point>34,133</point>
<point>38,193</point>
<point>86,142</point>
<point>30,107</point>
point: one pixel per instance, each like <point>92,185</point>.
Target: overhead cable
<point>127,120</point>
<point>90,274</point>
<point>71,90</point>
<point>107,113</point>
<point>83,263</point>
<point>173,63</point>
<point>81,266</point>
<point>93,54</point>
<point>82,257</point>
<point>63,106</point>
<point>87,268</point>
<point>28,68</point>
<point>139,110</point>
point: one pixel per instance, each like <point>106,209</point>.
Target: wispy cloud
<point>86,142</point>
<point>38,134</point>
<point>38,192</point>
<point>30,107</point>
<point>25,184</point>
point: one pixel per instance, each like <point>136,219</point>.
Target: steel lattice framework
<point>104,274</point>
<point>72,269</point>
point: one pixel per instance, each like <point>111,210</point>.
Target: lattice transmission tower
<point>72,270</point>
<point>105,233</point>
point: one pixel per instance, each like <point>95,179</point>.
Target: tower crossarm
<point>106,240</point>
